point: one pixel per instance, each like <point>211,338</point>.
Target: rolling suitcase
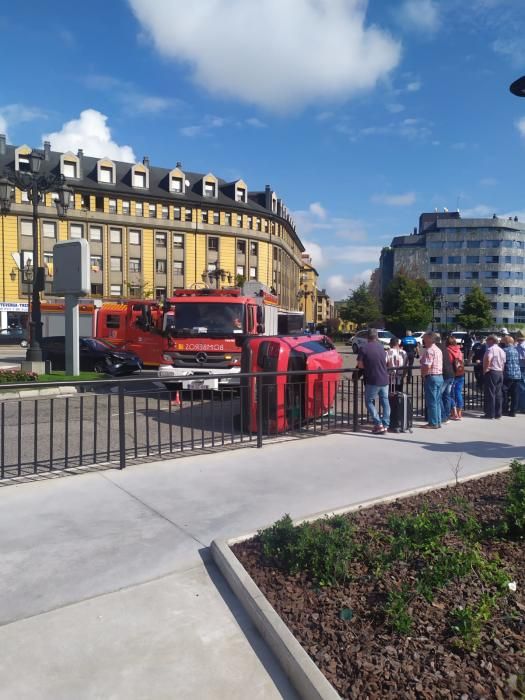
<point>400,412</point>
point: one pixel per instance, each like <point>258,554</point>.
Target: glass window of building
<point>433,275</point>
<point>506,290</point>
<point>213,243</point>
<point>249,221</point>
<point>139,179</point>
<point>152,211</point>
<point>106,174</point>
<point>228,219</point>
<point>178,240</point>
<point>216,217</point>
<point>253,273</point>
<point>125,207</point>
<point>239,220</point>
<point>134,236</point>
<point>204,217</point>
<point>134,291</point>
<point>115,235</point>
<point>471,275</point>
<point>454,259</point>
<point>70,168</point>
<point>176,213</point>
<point>49,229</point>
<point>490,274</point>
<point>76,231</point>
<point>115,263</point>
<point>210,189</point>
<point>26,227</point>
<point>241,271</point>
<point>491,243</point>
<point>160,266</point>
<point>176,185</point>
<point>453,275</point>
<point>473,244</point>
<point>436,260</point>
<point>188,214</point>
<point>96,263</point>
<point>452,290</point>
<point>178,267</point>
<point>491,259</point>
<point>165,212</point>
<point>240,194</point>
<point>160,292</point>
<point>95,233</point>
<point>436,244</point>
<point>472,259</point>
<point>160,239</point>
<point>241,247</point>
<point>254,248</point>
<point>139,209</point>
<point>97,290</point>
<point>115,290</point>
<point>112,206</point>
<point>490,290</point>
<point>134,264</point>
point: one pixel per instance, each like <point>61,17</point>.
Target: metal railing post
<point>259,392</point>
<point>122,427</point>
<point>355,417</point>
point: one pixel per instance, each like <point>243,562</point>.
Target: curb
<point>34,393</point>
<point>305,676</point>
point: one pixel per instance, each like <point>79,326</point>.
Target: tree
<point>476,312</point>
<point>407,304</point>
<point>361,307</point>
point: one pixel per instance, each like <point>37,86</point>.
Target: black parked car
<point>13,336</point>
<point>95,355</point>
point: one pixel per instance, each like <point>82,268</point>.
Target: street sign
<point>71,269</point>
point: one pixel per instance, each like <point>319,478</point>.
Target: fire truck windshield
<point>204,318</point>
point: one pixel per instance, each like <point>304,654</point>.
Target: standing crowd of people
<point>499,367</point>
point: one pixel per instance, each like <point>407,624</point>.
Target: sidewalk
<point>108,590</point>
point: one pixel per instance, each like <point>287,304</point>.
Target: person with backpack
<point>511,378</point>
<point>458,365</point>
<point>409,345</point>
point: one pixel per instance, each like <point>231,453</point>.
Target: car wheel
<point>355,349</point>
<point>99,367</point>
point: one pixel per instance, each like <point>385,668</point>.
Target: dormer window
<point>210,189</point>
<point>177,181</point>
<point>176,185</point>
<point>106,172</point>
<point>140,176</point>
<point>22,159</point>
<point>70,169</point>
<point>69,165</point>
<point>240,194</point>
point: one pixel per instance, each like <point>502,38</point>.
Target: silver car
<point>361,338</point>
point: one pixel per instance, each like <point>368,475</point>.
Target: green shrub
<point>323,549</point>
<point>515,508</point>
<point>396,611</point>
<point>467,623</point>
<point>16,376</point>
<point>420,532</point>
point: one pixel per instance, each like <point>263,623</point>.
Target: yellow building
<point>325,307</point>
<point>307,294</point>
<point>152,230</point>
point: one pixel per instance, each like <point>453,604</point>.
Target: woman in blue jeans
<point>456,358</point>
<point>432,371</point>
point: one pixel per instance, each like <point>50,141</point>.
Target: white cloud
<point>413,86</point>
<point>480,211</point>
<point>256,123</point>
<point>488,181</point>
<point>133,100</point>
<point>395,200</point>
<point>91,133</point>
<point>395,107</point>
<point>333,56</point>
<point>339,287</point>
<point>3,125</point>
<point>317,209</point>
<point>420,15</point>
<point>16,113</point>
<point>512,47</point>
<point>206,125</point>
<point>316,253</point>
<point>520,125</point>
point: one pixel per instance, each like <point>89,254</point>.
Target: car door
<point>87,357</point>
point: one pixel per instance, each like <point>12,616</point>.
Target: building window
<point>433,275</point>
<point>25,197</point>
<point>239,220</point>
<point>176,185</point>
<point>96,263</point>
<point>241,272</point>
<point>76,231</point>
<point>228,219</point>
<point>452,290</point>
<point>112,206</point>
<point>160,292</point>
<point>506,290</point>
<point>249,220</point>
<point>160,266</point>
<point>134,291</point>
<point>490,290</point>
<point>99,203</point>
<point>115,264</point>
<point>26,227</point>
<point>49,229</point>
<point>134,264</point>
<point>253,273</point>
<point>472,259</point>
<point>176,213</point>
<point>134,236</point>
<point>153,211</point>
<point>253,248</point>
<point>139,209</point>
<point>210,189</point>
<point>490,244</point>
<point>70,169</point>
<point>95,233</point>
<point>454,259</point>
<point>115,235</point>
<point>97,290</point>
<point>188,214</point>
<point>204,217</point>
<point>490,274</point>
<point>125,207</point>
<point>453,275</point>
<point>216,217</point>
<point>139,179</point>
<point>240,194</point>
<point>115,290</point>
<point>241,247</point>
<point>165,212</point>
<point>178,241</point>
<point>106,174</point>
<point>213,243</point>
<point>160,239</point>
<point>473,244</point>
<point>436,260</point>
<point>470,275</point>
<point>491,259</point>
<point>178,267</point>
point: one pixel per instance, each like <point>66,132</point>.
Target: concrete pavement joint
<point>304,674</point>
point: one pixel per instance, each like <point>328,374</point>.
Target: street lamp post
<point>36,184</point>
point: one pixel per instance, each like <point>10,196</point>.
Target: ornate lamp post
<point>36,184</point>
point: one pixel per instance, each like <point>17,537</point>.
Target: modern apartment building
<point>151,230</point>
<point>455,253</point>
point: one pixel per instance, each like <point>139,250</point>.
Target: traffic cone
<point>175,398</point>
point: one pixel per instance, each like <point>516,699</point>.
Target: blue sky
<point>360,115</point>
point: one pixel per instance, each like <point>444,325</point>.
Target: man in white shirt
<point>493,366</point>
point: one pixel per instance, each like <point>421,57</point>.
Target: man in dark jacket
<point>448,381</point>
<point>478,352</point>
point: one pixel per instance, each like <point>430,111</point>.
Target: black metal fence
<point>117,422</point>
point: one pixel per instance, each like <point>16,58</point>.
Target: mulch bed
<point>362,657</point>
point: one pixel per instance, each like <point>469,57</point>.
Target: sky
<point>360,115</point>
